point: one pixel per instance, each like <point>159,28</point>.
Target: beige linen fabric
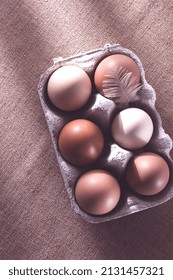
<point>36,220</point>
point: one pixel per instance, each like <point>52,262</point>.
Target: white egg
<point>132,128</point>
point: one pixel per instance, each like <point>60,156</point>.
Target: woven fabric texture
<point>36,220</point>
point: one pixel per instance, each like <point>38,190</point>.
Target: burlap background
<point>36,221</point>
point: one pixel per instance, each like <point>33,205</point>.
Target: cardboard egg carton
<point>101,111</point>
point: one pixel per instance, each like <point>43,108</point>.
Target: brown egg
<point>111,64</point>
<point>147,173</point>
<point>97,192</point>
<point>69,88</point>
<point>81,142</point>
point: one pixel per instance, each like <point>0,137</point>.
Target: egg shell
<point>147,173</point>
<point>81,142</point>
<point>69,88</point>
<point>112,63</point>
<point>97,192</point>
<point>132,128</point>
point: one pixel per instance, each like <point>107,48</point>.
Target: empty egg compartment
<point>100,110</point>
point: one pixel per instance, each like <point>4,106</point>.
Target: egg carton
<point>101,111</point>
